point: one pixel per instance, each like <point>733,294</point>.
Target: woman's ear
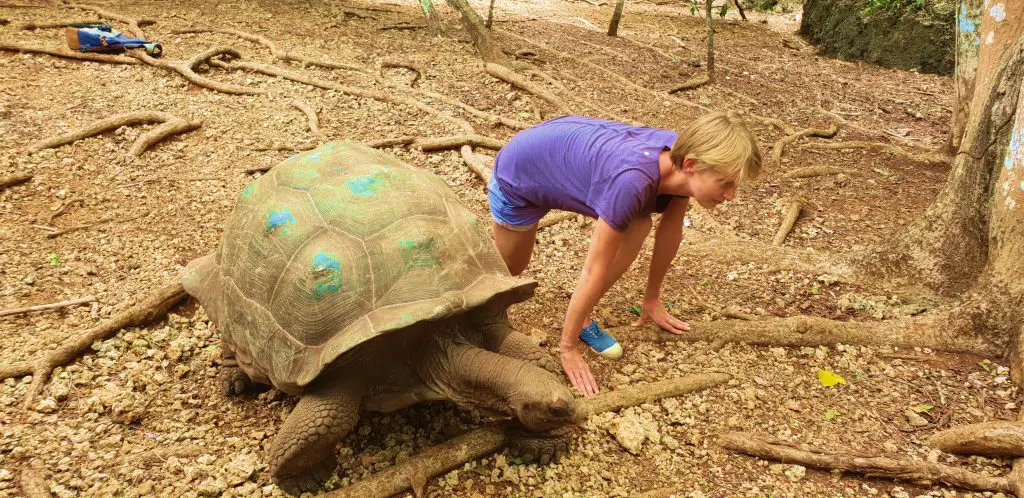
<point>689,165</point>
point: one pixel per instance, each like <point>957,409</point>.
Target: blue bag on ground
<point>103,38</point>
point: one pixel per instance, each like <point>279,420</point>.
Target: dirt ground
<point>141,414</point>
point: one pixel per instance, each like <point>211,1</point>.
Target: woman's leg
<point>515,246</point>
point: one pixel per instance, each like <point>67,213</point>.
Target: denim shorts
<point>511,216</point>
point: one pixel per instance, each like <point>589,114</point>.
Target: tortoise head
<point>543,402</point>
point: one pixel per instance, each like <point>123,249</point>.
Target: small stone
<point>915,419</point>
<point>898,492</point>
<point>795,472</point>
<point>890,447</point>
<point>240,469</point>
<point>47,405</point>
<point>212,486</point>
<point>793,405</point>
<point>6,475</point>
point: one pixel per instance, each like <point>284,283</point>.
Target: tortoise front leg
<point>302,453</point>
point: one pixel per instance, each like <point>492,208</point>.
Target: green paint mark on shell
<point>419,254</point>
<point>327,269</point>
<point>364,186</point>
<point>279,221</point>
<point>248,190</point>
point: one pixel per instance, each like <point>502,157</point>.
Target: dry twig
<point>31,26</point>
<point>811,171</point>
<point>875,466</point>
<point>134,26</point>
<point>153,308</point>
<point>314,122</point>
<point>63,208</point>
<point>692,83</point>
<point>50,306</point>
<point>187,70</point>
<point>415,68</point>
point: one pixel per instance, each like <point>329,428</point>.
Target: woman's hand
<point>655,311</point>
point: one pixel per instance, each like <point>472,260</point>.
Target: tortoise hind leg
<point>302,453</point>
<point>233,381</point>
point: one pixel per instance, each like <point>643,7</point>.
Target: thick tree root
<point>153,308</point>
<point>699,81</point>
<point>476,164</point>
<point>391,142</point>
<point>780,145</point>
<point>925,157</point>
<point>348,90</point>
<point>647,393</point>
<point>515,79</point>
<point>788,221</point>
<point>68,54</point>
<point>415,471</point>
<point>187,70</point>
<point>49,306</point>
<point>445,143</point>
<point>13,180</point>
<point>170,125</point>
<point>812,171</point>
<point>274,50</point>
<point>491,119</point>
<point>33,485</point>
<point>1002,438</point>
<point>31,26</point>
<point>314,122</point>
<point>873,466</point>
<point>936,331</point>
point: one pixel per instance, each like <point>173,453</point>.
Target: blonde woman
<point>619,174</point>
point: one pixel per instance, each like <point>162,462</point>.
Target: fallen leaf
<point>829,378</point>
<point>923,407</point>
<point>832,413</point>
<point>635,310</point>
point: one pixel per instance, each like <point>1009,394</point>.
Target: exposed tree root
<point>415,471</point>
<point>401,26</point>
<point>443,143</point>
<point>555,218</point>
<point>68,54</point>
<point>938,331</point>
<point>490,118</point>
<point>158,134</point>
<point>50,306</point>
<point>692,83</point>
<point>134,25</point>
<point>391,142</point>
<point>873,466</point>
<point>925,157</point>
<point>788,220</point>
<point>812,171</point>
<point>724,312</point>
<point>10,181</point>
<point>63,208</point>
<point>1001,438</point>
<point>658,96</point>
<point>153,308</point>
<point>274,50</point>
<point>32,482</point>
<point>280,147</point>
<point>31,26</point>
<point>415,68</point>
<point>511,77</point>
<point>187,70</point>
<point>314,122</point>
<point>170,125</point>
<point>780,146</point>
<point>868,131</point>
<point>476,164</point>
<point>348,90</point>
<point>486,46</point>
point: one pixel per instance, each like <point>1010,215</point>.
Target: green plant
<point>893,6</point>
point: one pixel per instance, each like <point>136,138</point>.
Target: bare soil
<point>141,415</point>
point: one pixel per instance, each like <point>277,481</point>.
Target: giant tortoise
<point>355,281</point>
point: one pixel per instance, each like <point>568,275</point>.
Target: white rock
<point>240,469</point>
<point>796,472</point>
<point>47,405</point>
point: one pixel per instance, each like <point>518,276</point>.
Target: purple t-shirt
<point>589,166</point>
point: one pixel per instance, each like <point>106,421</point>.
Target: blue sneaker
<point>600,341</point>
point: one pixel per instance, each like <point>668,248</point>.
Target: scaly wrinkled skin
<point>476,360</point>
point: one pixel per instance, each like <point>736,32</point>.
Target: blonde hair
<point>719,141</point>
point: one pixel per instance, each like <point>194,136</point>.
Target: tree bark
<point>613,27</point>
<point>485,45</point>
<point>968,41</point>
<point>433,22</point>
<point>711,42</point>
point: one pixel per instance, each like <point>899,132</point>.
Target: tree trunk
<point>613,27</point>
<point>970,241</point>
<point>711,42</point>
<point>968,41</point>
<point>490,14</point>
<point>488,48</point>
<point>433,22</point>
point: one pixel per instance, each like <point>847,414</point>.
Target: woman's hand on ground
<point>578,371</point>
<point>655,311</point>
